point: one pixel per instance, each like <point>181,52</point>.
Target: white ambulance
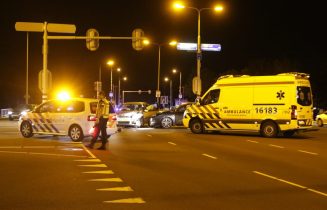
<point>268,105</point>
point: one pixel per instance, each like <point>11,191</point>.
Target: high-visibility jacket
<point>102,108</point>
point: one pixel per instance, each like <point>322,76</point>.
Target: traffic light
<point>137,39</point>
<point>91,43</point>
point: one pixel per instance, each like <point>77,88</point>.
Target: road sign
<point>164,99</point>
<point>194,47</point>
<point>61,28</point>
<point>158,93</point>
<point>28,26</point>
<point>196,85</point>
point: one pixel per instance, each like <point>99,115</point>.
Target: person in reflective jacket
<point>102,115</point>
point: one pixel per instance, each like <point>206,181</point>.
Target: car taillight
<point>91,118</point>
<point>293,112</point>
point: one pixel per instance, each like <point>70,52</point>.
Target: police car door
<point>44,119</point>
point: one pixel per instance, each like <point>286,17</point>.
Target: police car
<point>73,117</point>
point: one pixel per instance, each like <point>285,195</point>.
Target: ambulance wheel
<point>75,133</point>
<point>166,122</point>
<point>320,123</point>
<point>26,129</point>
<point>269,129</point>
<point>196,126</point>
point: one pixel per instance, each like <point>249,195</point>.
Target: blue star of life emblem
<point>280,95</point>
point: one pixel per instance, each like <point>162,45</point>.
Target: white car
<point>321,119</point>
<point>135,114</point>
<point>73,117</point>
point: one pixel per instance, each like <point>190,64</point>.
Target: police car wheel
<point>76,133</point>
<point>26,129</point>
<point>166,122</point>
<point>269,129</point>
<point>320,123</point>
<point>196,126</point>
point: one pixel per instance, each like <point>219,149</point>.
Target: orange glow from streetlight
<point>146,42</point>
<point>125,78</point>
<point>166,79</point>
<point>219,8</point>
<point>110,62</point>
<point>173,43</point>
<point>178,5</point>
<point>174,71</point>
<point>118,69</point>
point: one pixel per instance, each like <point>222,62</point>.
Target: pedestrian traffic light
<point>91,42</point>
<point>137,39</point>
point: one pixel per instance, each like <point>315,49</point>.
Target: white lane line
<point>89,160</point>
<point>95,166</point>
<point>149,135</point>
<point>252,141</point>
<point>106,180</point>
<point>172,143</point>
<point>290,183</point>
<point>277,146</point>
<point>47,154</point>
<point>122,189</point>
<point>38,147</point>
<point>88,151</point>
<point>10,147</point>
<point>128,200</point>
<point>99,172</point>
<point>311,153</point>
<point>209,156</point>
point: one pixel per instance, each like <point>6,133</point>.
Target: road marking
<point>128,200</point>
<point>172,143</point>
<point>51,154</point>
<point>48,154</point>
<point>99,172</point>
<point>89,160</point>
<point>106,180</point>
<point>209,156</point>
<point>252,141</point>
<point>123,189</point>
<point>95,165</point>
<point>311,153</point>
<point>149,135</point>
<point>88,151</point>
<point>290,183</point>
<point>38,147</point>
<point>277,146</point>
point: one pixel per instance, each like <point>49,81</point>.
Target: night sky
<point>257,37</point>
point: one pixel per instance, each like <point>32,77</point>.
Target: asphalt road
<point>164,169</point>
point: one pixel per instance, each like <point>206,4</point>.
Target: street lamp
<point>124,79</point>
<point>159,45</point>
<point>170,91</point>
<point>180,96</point>
<point>110,63</point>
<point>217,8</point>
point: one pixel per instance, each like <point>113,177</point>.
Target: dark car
<point>169,118</point>
<point>15,113</point>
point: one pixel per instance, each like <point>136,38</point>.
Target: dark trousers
<point>100,127</point>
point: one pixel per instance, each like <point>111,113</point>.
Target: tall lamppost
<point>180,96</point>
<point>124,79</point>
<point>159,45</point>
<point>110,63</point>
<point>170,91</point>
<point>217,8</point>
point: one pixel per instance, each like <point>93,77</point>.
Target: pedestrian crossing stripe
<point>106,180</point>
<point>99,172</point>
<point>128,200</point>
<point>122,189</point>
<point>95,165</point>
